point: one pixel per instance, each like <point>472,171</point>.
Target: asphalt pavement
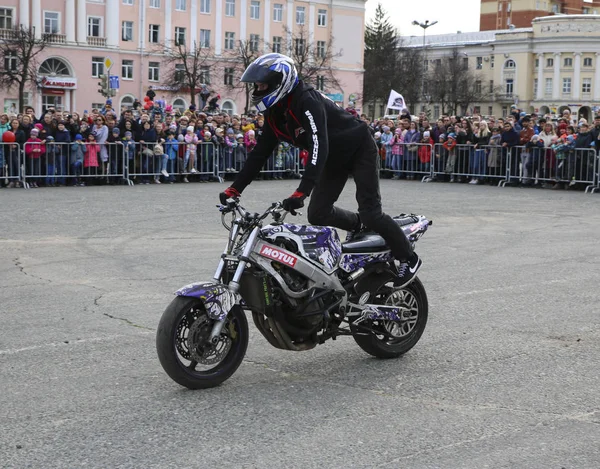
<point>505,376</point>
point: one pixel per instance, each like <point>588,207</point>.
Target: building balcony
<point>96,41</point>
<point>7,34</point>
<point>56,38</point>
<point>505,97</point>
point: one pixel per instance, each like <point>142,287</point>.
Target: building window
<point>179,36</point>
<point>277,44</point>
<point>127,102</point>
<point>228,107</point>
<point>204,6</point>
<point>478,87</point>
<point>228,76</point>
<point>52,22</point>
<point>153,33</point>
<point>509,86</point>
<point>586,87</point>
<point>180,5</point>
<point>300,14</point>
<point>127,69</point>
<point>179,105</point>
<point>97,66</point>
<point>320,83</point>
<point>322,18</point>
<point>127,2</point>
<point>479,63</point>
<point>278,12</point>
<point>321,49</point>
<point>491,61</point>
<point>568,62</point>
<point>491,86</point>
<point>229,40</point>
<point>465,63</point>
<point>535,87</point>
<point>587,62</point>
<point>153,71</point>
<point>254,10</point>
<point>510,64</point>
<point>537,63</point>
<point>205,74</point>
<point>154,3</point>
<point>253,43</point>
<point>436,111</point>
<point>94,26</point>
<point>549,62</point>
<point>490,110</point>
<point>548,89</point>
<point>229,7</point>
<point>179,72</point>
<point>11,60</point>
<point>566,88</point>
<point>6,18</point>
<point>205,38</point>
<point>127,30</point>
<point>300,46</point>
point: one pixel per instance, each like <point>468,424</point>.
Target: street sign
<point>107,63</point>
<point>113,82</point>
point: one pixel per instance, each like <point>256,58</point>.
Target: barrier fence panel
<point>596,185</point>
<point>409,161</point>
<point>282,164</point>
<point>10,164</point>
<point>171,161</point>
<point>458,163</point>
<point>69,164</point>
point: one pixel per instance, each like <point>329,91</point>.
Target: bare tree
<point>20,48</point>
<point>407,78</point>
<point>455,85</point>
<point>313,59</point>
<point>187,69</point>
<point>234,65</point>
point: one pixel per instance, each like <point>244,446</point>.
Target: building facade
<point>547,68</point>
<point>84,33</point>
<point>501,14</point>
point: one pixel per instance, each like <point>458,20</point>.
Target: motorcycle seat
<point>372,242</point>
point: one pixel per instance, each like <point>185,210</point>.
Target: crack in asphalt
<point>19,265</point>
<point>125,320</point>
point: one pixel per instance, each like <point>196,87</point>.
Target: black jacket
<point>310,121</point>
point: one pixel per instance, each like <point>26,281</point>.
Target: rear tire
<point>185,316</point>
<point>381,346</point>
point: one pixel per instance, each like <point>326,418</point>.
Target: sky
<point>452,16</point>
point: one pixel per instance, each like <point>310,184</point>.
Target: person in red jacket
<point>338,145</point>
<point>34,150</point>
<point>425,152</point>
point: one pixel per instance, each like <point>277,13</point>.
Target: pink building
<point>129,32</point>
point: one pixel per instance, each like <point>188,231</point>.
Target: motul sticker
<point>278,255</point>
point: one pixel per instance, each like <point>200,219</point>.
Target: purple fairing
<point>321,243</point>
<point>381,313</point>
<point>352,262</point>
<point>216,297</point>
<point>415,230</point>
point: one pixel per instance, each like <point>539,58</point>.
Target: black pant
<point>363,167</point>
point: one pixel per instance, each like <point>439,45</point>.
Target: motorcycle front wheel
<point>390,339</point>
<point>184,349</point>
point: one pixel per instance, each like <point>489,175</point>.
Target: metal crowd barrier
<point>10,164</point>
<point>409,161</point>
<point>283,163</point>
<point>596,186</point>
<point>461,162</point>
<point>75,164</point>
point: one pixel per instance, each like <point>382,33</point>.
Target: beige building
<point>546,68</point>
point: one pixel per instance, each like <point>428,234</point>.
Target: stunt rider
<point>338,145</point>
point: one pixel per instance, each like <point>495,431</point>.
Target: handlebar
<point>248,219</point>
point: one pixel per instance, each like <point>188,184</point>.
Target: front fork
<point>234,284</point>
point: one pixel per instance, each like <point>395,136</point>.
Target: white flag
<point>396,101</point>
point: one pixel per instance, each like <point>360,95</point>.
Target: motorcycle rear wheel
<point>182,350</point>
<point>406,335</point>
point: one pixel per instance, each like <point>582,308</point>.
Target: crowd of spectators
<point>543,151</point>
<point>154,143</point>
<point>149,143</point>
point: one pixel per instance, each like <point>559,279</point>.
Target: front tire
<point>185,354</point>
<point>398,338</point>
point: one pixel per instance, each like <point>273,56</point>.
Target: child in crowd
<point>34,149</point>
<point>239,152</point>
<point>191,145</point>
<point>230,143</point>
<point>161,161</point>
<point>494,159</point>
<point>78,152</point>
<point>206,156</point>
<point>249,141</point>
<point>450,146</point>
<point>51,151</point>
<point>395,158</point>
<point>171,149</point>
<point>425,152</point>
<point>90,162</point>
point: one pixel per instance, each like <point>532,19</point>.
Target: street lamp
<point>424,25</point>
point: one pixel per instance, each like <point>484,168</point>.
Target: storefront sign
<point>54,92</point>
<point>59,82</point>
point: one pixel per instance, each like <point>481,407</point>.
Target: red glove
<point>293,202</point>
<point>229,193</point>
<point>304,157</point>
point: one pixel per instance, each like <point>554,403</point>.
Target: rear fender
<point>216,297</point>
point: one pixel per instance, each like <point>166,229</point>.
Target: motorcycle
<point>302,285</point>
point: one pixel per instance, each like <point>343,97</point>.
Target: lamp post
<point>424,25</point>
